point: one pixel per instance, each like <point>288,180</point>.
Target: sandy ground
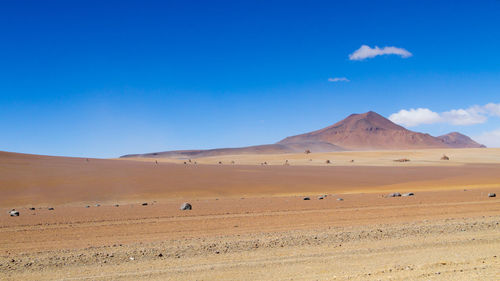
<point>420,157</point>
<point>249,222</point>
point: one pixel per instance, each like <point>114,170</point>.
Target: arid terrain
<point>249,220</point>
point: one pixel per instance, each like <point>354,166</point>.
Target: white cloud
<point>472,115</point>
<point>367,52</point>
<point>414,117</point>
<point>338,79</point>
<point>490,139</point>
<point>468,116</point>
<point>493,109</point>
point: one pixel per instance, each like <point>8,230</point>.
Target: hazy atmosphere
<point>103,79</point>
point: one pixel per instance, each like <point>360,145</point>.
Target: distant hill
<point>257,149</point>
<point>367,131</point>
<point>458,140</point>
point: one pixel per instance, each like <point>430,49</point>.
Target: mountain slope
<point>369,131</point>
<point>457,140</point>
<point>257,149</point>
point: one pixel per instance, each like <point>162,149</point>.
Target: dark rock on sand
<point>186,206</point>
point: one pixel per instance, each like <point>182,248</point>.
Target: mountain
<point>458,140</point>
<point>367,131</point>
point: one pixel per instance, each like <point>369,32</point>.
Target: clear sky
<point>107,78</point>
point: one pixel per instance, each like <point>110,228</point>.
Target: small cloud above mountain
<point>365,52</point>
<point>338,79</point>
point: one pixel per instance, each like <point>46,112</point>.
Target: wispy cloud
<point>365,52</point>
<point>490,139</point>
<point>338,79</point>
<point>473,115</point>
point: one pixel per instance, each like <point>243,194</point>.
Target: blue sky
<point>87,78</point>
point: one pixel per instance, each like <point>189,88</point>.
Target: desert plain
<point>119,219</point>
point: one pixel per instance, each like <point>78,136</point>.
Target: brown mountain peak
<point>368,130</point>
<point>458,140</point>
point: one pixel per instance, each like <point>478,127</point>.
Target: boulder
<point>14,213</point>
<point>492,195</point>
<point>306,198</point>
<point>144,204</point>
<point>186,206</point>
<point>395,194</point>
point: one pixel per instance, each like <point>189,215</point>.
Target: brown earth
<point>249,222</point>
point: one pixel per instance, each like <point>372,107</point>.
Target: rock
<point>320,198</point>
<point>14,213</point>
<point>32,208</point>
<point>395,194</point>
<point>87,206</point>
<point>97,205</point>
<point>492,195</point>
<point>186,206</point>
<point>340,199</point>
<point>144,204</point>
<point>408,194</point>
<point>51,209</point>
<point>306,198</point>
<point>117,205</point>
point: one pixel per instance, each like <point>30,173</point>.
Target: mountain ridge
<point>365,131</point>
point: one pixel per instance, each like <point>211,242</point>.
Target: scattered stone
<point>144,204</point>
<point>492,195</point>
<point>307,198</point>
<point>14,213</point>
<point>395,194</point>
<point>408,194</point>
<point>186,206</point>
